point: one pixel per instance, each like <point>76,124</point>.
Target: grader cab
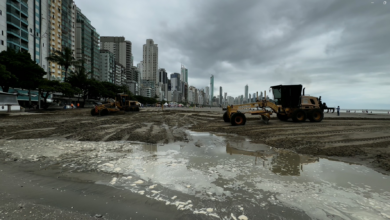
<point>289,102</point>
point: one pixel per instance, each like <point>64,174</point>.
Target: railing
<point>24,3</point>
<point>24,9</point>
<point>16,32</point>
<point>15,4</point>
<point>24,20</point>
<point>11,19</point>
<point>13,40</point>
<point>24,45</point>
<point>24,35</point>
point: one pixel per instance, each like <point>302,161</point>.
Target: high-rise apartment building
<point>162,76</point>
<point>220,95</point>
<point>175,81</point>
<point>184,74</point>
<point>246,93</point>
<point>120,74</point>
<point>122,50</point>
<point>4,26</point>
<point>211,89</point>
<point>207,94</point>
<point>107,66</point>
<point>14,25</point>
<point>150,59</point>
<point>39,35</point>
<point>87,44</point>
<point>55,20</point>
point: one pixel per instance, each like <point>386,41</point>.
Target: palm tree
<point>79,79</point>
<point>63,58</point>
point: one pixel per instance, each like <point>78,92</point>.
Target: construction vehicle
<point>121,103</point>
<point>289,102</point>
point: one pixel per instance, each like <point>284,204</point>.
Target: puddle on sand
<point>229,178</point>
<point>239,178</point>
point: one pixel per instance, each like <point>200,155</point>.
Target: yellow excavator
<point>121,103</point>
<point>289,102</point>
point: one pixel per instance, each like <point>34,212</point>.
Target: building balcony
<point>24,45</point>
<point>24,3</point>
<point>14,40</point>
<point>16,5</point>
<point>14,32</point>
<point>13,21</point>
<point>24,20</point>
<point>24,10</point>
<point>24,35</point>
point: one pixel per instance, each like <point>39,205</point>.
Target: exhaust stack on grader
<point>290,102</point>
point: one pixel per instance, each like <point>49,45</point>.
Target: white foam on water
<point>214,215</point>
<point>311,192</point>
<point>242,217</point>
<point>233,217</point>
<point>113,181</point>
<point>209,210</point>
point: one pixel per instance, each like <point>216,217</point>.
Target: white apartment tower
<point>3,26</point>
<point>121,49</point>
<point>38,23</point>
<point>150,61</point>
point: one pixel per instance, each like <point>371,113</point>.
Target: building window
<point>2,32</point>
<point>43,45</point>
<point>2,42</point>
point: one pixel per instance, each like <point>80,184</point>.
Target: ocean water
<point>373,111</point>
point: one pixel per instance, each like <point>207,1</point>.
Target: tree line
<point>18,70</point>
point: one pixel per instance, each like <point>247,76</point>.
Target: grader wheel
<point>226,117</point>
<point>103,112</point>
<point>299,116</point>
<point>316,115</point>
<point>93,112</point>
<point>238,119</point>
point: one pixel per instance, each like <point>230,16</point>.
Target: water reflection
<point>284,163</point>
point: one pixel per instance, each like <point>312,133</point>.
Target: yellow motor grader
<point>121,103</point>
<point>290,102</point>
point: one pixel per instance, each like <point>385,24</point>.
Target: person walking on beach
<point>338,110</point>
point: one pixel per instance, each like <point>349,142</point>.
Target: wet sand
<point>354,138</point>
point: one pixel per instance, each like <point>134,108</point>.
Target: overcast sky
<point>337,49</point>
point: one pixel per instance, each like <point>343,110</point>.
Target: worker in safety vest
<point>78,105</point>
<point>71,105</point>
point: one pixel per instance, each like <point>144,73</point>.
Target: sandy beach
<point>74,166</point>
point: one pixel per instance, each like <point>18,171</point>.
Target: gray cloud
<point>334,48</point>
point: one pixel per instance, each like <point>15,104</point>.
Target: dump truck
<point>121,103</point>
<point>289,102</point>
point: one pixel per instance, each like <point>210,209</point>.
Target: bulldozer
<point>289,102</point>
<point>121,103</point>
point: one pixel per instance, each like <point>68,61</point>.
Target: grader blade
<point>265,119</point>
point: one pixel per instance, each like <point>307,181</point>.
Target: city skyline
<point>320,54</point>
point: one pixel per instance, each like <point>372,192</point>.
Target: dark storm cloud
<point>333,47</point>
